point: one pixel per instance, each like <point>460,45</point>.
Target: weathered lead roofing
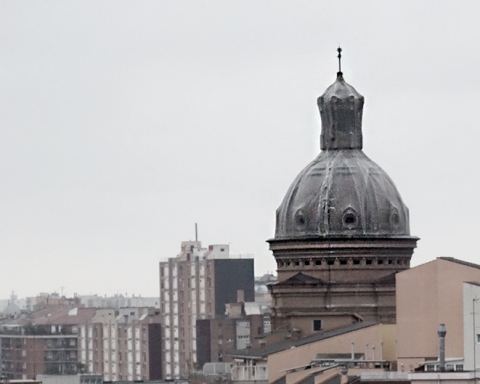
<point>342,191</point>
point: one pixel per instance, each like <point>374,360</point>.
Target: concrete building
<point>342,230</point>
<point>196,285</point>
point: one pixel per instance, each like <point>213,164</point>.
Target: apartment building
<point>123,345</point>
<point>44,344</point>
<point>196,285</point>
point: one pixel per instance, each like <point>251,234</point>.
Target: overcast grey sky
<point>125,122</point>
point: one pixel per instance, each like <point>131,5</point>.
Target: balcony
<point>249,373</point>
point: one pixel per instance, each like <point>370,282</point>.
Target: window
<point>478,337</point>
<point>430,367</point>
<point>459,367</point>
<point>317,325</point>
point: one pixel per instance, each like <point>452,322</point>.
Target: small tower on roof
<point>342,230</point>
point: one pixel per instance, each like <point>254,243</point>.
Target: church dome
<point>342,192</point>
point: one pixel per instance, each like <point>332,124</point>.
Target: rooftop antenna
<point>196,232</point>
<point>339,50</point>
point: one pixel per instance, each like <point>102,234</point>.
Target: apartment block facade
<point>196,285</point>
<point>24,355</point>
<point>120,345</point>
<point>123,345</point>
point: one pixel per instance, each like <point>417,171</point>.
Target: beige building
<point>431,294</point>
<point>372,345</point>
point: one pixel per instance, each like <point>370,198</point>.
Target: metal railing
<point>250,373</point>
<point>393,376</point>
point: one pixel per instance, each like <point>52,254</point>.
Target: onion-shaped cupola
<point>342,192</point>
<point>341,109</point>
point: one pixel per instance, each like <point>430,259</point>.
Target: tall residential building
<point>196,285</point>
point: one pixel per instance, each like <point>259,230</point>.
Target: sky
<point>124,123</point>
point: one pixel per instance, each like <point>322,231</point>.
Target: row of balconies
<point>60,346</point>
<point>60,359</point>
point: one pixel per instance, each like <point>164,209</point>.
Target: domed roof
<point>342,192</point>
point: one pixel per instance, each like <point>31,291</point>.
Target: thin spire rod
<point>339,50</point>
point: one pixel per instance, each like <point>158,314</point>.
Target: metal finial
<point>339,50</point>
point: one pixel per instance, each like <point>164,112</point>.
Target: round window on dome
<point>300,219</point>
<point>395,218</point>
<point>350,219</point>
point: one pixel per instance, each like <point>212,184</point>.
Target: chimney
<point>442,331</point>
<point>240,296</point>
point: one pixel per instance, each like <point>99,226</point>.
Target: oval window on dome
<point>300,219</point>
<point>394,218</point>
<point>350,219</point>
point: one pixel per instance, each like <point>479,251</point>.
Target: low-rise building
<point>242,327</point>
<point>368,345</point>
<point>442,291</point>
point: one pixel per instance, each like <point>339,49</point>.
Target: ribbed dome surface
<point>342,192</point>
